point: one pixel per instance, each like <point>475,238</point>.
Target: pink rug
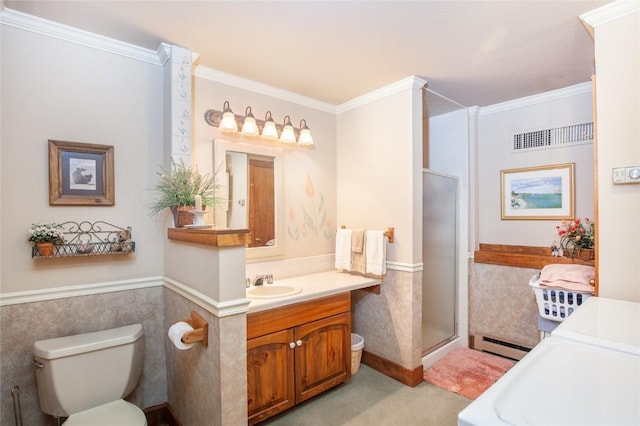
<point>467,372</point>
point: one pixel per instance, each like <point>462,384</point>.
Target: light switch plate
<point>624,175</point>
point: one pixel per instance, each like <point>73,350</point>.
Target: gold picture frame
<point>538,193</point>
<point>80,174</point>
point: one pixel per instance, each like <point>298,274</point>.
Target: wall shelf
<point>212,236</point>
<point>521,256</point>
<point>90,239</point>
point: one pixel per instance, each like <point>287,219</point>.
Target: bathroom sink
<point>269,291</point>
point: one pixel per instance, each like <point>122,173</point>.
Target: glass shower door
<point>439,257</point>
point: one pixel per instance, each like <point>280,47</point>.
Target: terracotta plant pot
<point>45,249</point>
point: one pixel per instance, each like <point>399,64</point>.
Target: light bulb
<point>228,122</point>
<point>270,131</point>
<point>288,135</point>
<point>249,128</point>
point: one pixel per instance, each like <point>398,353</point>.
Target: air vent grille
<point>551,138</point>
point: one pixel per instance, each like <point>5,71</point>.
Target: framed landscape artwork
<point>538,193</point>
<point>80,174</point>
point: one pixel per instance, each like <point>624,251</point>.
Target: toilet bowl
<point>85,376</point>
<point>120,412</point>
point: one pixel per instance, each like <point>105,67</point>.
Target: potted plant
<point>45,236</point>
<point>176,190</point>
<point>577,238</point>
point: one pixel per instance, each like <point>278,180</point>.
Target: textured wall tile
<point>502,304</point>
<point>24,324</point>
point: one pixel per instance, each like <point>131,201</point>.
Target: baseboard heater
<point>498,346</point>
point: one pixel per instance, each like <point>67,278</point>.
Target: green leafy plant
<point>179,186</point>
<point>576,235</point>
<point>46,233</point>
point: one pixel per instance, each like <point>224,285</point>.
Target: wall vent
<point>500,347</point>
<point>553,138</point>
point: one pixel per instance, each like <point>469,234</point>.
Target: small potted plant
<point>45,236</point>
<point>577,238</point>
<point>176,190</point>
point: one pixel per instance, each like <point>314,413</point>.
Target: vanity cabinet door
<point>270,369</point>
<point>323,355</point>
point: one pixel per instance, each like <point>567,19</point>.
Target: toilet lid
<point>120,412</point>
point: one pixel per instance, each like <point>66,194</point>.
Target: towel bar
<point>389,233</point>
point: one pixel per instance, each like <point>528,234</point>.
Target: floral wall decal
<point>313,220</point>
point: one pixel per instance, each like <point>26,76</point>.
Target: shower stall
<point>439,258</point>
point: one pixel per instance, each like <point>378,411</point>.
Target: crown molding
<point>608,13</point>
<point>552,95</point>
<point>26,22</point>
<point>264,89</point>
<point>412,82</point>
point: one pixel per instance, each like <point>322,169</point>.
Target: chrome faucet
<point>260,279</point>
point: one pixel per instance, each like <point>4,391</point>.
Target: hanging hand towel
<point>343,249</point>
<point>358,252</point>
<point>376,252</point>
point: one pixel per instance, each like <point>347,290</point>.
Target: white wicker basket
<point>357,344</point>
<point>556,304</point>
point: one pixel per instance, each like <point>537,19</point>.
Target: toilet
<point>84,377</point>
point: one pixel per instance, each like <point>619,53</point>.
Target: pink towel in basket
<point>568,276</point>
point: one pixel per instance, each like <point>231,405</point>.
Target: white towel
<point>376,252</point>
<point>343,249</point>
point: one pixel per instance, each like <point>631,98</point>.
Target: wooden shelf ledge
<point>521,256</point>
<point>217,237</point>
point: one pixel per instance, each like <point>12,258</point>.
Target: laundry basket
<point>556,304</point>
<point>357,344</point>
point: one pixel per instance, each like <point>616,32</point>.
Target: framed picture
<point>537,193</point>
<point>80,174</point>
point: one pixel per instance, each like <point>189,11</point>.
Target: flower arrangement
<point>46,233</point>
<point>576,235</point>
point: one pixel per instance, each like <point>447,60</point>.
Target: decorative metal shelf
<point>90,239</point>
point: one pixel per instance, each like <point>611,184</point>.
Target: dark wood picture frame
<point>80,174</point>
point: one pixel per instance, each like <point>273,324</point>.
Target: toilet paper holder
<point>200,331</point>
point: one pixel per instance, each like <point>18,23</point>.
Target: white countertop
<point>313,286</point>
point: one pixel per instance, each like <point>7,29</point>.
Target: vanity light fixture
<point>264,130</point>
<point>270,131</point>
<point>249,128</point>
<point>228,122</point>
<point>305,134</point>
<point>287,135</point>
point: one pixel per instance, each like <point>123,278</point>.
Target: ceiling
<point>471,52</point>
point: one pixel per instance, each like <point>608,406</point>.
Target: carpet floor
<point>467,372</point>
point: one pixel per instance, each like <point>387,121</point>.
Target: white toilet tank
<point>86,370</point>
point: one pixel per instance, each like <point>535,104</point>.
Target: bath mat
<point>467,372</point>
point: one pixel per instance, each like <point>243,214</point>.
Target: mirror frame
<point>220,148</point>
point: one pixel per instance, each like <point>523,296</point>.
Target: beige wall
<point>309,175</point>
<point>53,89</point>
<point>379,169</point>
<point>618,110</point>
<point>497,124</point>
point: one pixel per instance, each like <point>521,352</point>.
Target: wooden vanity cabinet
<point>296,352</point>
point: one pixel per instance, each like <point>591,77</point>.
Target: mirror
<point>251,184</point>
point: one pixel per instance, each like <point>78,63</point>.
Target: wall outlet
<point>624,175</point>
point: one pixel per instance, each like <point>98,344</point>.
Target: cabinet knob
<point>292,345</point>
<point>299,342</point>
